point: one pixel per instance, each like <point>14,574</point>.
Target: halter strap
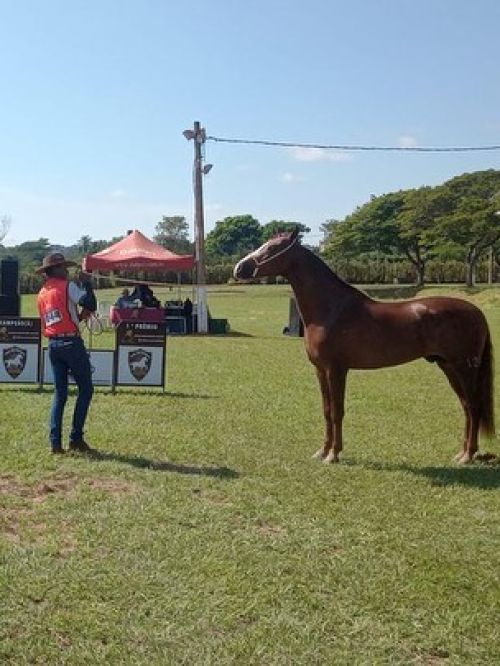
<point>258,264</point>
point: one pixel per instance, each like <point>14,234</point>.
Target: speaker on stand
<point>10,300</point>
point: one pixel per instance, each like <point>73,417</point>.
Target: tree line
<point>453,224</point>
<point>439,234</point>
<point>228,241</point>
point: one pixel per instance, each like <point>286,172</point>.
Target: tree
<point>172,233</point>
<point>391,225</point>
<point>416,224</point>
<point>371,230</point>
<point>30,253</point>
<point>472,223</point>
<point>275,227</point>
<point>84,245</point>
<point>234,236</point>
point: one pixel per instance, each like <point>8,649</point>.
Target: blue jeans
<point>69,354</point>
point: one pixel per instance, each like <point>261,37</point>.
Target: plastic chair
<point>103,312</point>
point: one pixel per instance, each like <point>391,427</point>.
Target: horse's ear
<point>294,233</point>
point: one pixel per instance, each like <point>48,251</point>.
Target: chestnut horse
<point>344,328</point>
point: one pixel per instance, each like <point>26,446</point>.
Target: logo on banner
<point>139,363</point>
<point>14,360</point>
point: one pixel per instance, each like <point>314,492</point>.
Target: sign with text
<point>141,353</point>
<point>101,363</point>
<point>20,344</point>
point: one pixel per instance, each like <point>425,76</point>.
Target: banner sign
<point>101,363</point>
<point>20,344</point>
<point>141,352</point>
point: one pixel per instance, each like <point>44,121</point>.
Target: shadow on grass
<point>479,475</point>
<point>229,334</point>
<point>119,391</point>
<point>160,394</point>
<point>164,465</point>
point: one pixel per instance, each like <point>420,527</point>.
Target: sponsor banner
<point>141,334</point>
<point>140,366</point>
<point>141,354</point>
<point>101,362</point>
<point>20,341</point>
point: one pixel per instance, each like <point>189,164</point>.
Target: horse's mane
<point>323,271</point>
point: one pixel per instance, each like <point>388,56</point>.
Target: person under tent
<point>145,294</point>
<point>125,300</point>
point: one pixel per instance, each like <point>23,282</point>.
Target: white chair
<point>103,312</point>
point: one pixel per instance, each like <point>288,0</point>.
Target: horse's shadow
<point>479,475</point>
<point>141,462</point>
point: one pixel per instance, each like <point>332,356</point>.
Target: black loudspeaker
<point>9,277</point>
<point>295,324</point>
<point>10,306</point>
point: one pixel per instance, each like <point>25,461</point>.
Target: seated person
<point>146,296</point>
<point>125,300</point>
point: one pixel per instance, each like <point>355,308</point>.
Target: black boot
<point>80,446</point>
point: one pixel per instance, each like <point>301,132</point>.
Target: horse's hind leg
<point>337,380</point>
<point>460,381</point>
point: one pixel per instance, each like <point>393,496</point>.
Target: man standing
<point>58,302</point>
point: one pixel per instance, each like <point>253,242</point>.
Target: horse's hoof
<point>319,455</point>
<point>459,456</point>
<point>331,458</point>
<point>465,459</point>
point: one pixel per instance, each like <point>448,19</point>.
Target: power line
<point>403,149</point>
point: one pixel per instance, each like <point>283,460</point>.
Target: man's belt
<point>62,336</point>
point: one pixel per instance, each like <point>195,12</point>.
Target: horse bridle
<point>258,263</point>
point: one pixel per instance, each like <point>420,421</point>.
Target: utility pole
<point>197,134</point>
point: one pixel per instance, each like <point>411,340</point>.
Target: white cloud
<point>302,154</point>
<point>407,141</point>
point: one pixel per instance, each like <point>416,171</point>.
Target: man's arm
<point>83,294</point>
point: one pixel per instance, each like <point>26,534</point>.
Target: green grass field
<point>206,534</point>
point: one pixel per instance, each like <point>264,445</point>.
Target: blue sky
<point>95,96</point>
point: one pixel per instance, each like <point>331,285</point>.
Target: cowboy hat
<point>54,259</point>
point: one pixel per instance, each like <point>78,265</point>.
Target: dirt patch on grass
<point>20,521</point>
<point>270,529</point>
<point>12,521</point>
<point>434,657</point>
<point>65,487</point>
<point>114,487</point>
<point>213,497</point>
<point>12,487</point>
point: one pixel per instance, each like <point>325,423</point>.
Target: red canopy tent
<point>136,252</point>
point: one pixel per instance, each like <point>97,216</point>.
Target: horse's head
<point>271,258</point>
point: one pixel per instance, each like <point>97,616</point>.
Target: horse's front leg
<point>327,411</point>
<point>337,381</point>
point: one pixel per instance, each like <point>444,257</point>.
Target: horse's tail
<point>485,389</point>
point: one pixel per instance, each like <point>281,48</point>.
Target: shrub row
<point>354,271</point>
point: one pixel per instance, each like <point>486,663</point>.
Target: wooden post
<point>201,289</point>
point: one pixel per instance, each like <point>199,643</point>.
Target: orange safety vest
<point>53,308</point>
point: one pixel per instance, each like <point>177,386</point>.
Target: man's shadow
<point>164,465</point>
